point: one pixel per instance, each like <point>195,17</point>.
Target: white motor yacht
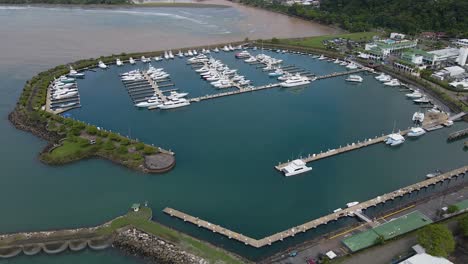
<point>118,62</point>
<point>166,55</point>
<point>190,53</point>
<point>354,78</point>
<point>295,167</point>
<point>102,65</point>
<point>416,132</point>
<point>394,139</point>
<point>171,56</point>
<point>225,48</point>
<point>393,82</point>
<point>251,59</point>
<point>195,52</point>
<point>433,174</point>
<point>352,66</point>
<point>131,60</point>
<point>422,100</point>
<point>415,94</point>
<point>74,74</point>
<point>216,50</point>
<point>322,57</point>
<point>174,104</point>
<point>180,54</point>
<point>295,80</point>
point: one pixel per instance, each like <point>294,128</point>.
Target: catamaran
<point>418,117</point>
<point>295,167</point>
<point>394,139</point>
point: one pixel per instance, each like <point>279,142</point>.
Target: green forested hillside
<point>408,16</point>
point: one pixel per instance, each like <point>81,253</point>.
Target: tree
<point>147,150</point>
<point>379,240</point>
<point>92,130</point>
<point>275,41</point>
<point>437,240</point>
<point>463,225</point>
<point>452,209</point>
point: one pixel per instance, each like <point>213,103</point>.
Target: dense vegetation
<point>437,239</point>
<point>402,15</point>
<point>77,2</point>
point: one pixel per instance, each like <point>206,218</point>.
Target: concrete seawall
<point>54,246</point>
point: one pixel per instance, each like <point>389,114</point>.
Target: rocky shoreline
<point>153,249</point>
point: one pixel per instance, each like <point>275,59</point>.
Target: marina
<point>350,211</point>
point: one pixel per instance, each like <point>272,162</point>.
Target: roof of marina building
<point>393,228</point>
<point>446,53</point>
<point>425,258</point>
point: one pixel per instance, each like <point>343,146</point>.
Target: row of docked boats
<point>416,95</point>
<point>218,74</point>
<point>349,65</point>
<point>155,100</point>
<point>63,91</point>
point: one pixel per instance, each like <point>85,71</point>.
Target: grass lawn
<point>68,149</point>
<point>142,221</point>
<point>316,42</point>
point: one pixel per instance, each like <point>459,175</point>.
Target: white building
<point>395,35</point>
<point>462,42</point>
<point>448,72</point>
<point>424,258</point>
<point>463,56</point>
<point>444,54</point>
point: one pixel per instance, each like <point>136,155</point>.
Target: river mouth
<point>227,147</point>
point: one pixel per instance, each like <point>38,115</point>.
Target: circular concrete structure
<point>159,162</point>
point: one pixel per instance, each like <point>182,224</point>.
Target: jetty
<point>242,90</point>
<point>155,87</point>
<point>433,122</point>
<point>458,134</point>
<point>347,148</point>
<point>291,232</point>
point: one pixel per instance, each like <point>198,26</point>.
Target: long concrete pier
<point>347,148</point>
<point>291,232</point>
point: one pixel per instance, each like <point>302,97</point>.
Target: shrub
<point>463,225</point>
<point>92,130</point>
<point>452,209</point>
<point>139,146</point>
<point>147,150</point>
<point>123,150</point>
<point>109,145</point>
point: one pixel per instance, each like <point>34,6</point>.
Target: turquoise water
<point>226,148</point>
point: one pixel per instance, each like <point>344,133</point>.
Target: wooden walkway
<point>240,91</point>
<point>291,232</point>
<point>155,87</point>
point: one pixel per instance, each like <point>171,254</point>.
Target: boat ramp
<point>291,232</point>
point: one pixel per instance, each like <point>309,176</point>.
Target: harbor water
<point>226,148</point>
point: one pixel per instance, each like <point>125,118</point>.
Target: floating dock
<point>291,232</point>
<point>458,134</point>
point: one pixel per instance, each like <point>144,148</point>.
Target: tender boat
<point>337,210</point>
<point>295,167</point>
<point>434,174</point>
<point>354,78</point>
<point>351,204</point>
<point>394,139</point>
<point>416,132</point>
